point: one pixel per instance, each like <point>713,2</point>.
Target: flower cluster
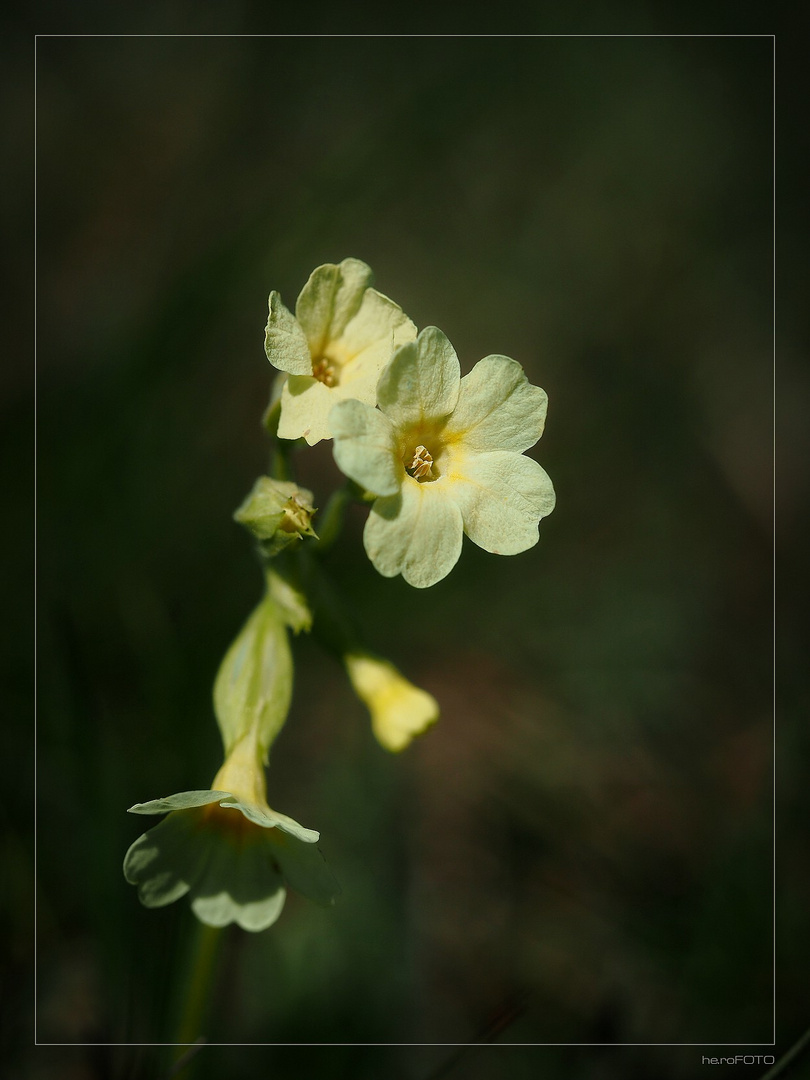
<point>438,456</point>
<point>442,455</point>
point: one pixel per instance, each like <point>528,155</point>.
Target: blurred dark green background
<point>581,850</point>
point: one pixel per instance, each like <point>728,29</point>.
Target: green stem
<point>332,626</point>
<point>786,1059</point>
<point>281,469</point>
<point>331,520</point>
<point>199,987</point>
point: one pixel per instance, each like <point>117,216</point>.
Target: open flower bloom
<point>445,457</point>
<point>334,347</point>
<point>227,850</point>
<point>399,710</point>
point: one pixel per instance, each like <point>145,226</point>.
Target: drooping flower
<point>225,847</point>
<point>227,850</point>
<point>334,347</point>
<point>399,710</point>
<point>444,456</point>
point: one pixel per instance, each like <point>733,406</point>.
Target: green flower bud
<point>278,513</point>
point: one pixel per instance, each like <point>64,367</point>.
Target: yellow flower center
<point>296,515</point>
<point>325,371</point>
<point>421,464</point>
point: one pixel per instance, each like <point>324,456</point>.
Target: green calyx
<point>278,513</point>
<point>253,687</point>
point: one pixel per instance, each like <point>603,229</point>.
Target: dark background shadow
<point>581,850</point>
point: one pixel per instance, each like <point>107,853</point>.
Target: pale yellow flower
<point>334,347</point>
<point>445,457</point>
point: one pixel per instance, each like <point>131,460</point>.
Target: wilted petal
<point>416,533</point>
<point>498,408</point>
<point>502,497</point>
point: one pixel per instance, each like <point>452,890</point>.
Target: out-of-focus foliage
<point>580,850</point>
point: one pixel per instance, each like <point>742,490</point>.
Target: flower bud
<point>399,710</point>
<point>278,513</point>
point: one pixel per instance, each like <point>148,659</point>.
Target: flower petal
<point>498,408</point>
<point>272,819</point>
<point>365,448</point>
<point>284,341</point>
<point>242,883</point>
<point>165,861</point>
<point>182,801</point>
<point>421,383</point>
<point>502,497</point>
<point>379,327</point>
<point>305,407</point>
<point>330,298</point>
<point>417,533</point>
<point>305,868</point>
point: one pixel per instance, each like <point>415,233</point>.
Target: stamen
<point>296,515</point>
<point>325,371</point>
<point>420,467</point>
